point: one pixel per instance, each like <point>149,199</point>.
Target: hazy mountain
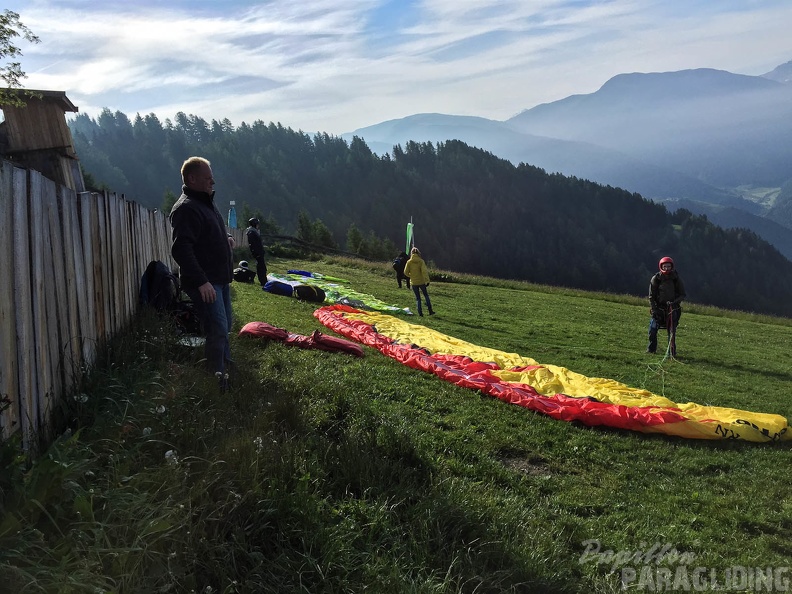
<point>781,73</point>
<point>703,135</point>
<point>580,159</point>
<point>724,129</point>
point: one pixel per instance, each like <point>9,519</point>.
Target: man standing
<point>666,293</point>
<point>202,249</point>
<point>257,249</point>
<point>398,265</point>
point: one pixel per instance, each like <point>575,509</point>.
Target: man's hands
<point>207,292</point>
<point>231,242</point>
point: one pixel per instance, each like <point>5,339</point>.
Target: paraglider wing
<point>549,389</point>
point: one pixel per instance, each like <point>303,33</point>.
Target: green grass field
<point>322,472</point>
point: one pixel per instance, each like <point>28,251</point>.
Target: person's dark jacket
<point>200,241</point>
<point>664,288</point>
<point>399,263</point>
<point>254,241</point>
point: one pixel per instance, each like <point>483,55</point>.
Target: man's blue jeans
<point>216,321</point>
<point>654,326</point>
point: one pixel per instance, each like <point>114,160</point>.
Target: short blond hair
<point>415,250</point>
<point>192,165</point>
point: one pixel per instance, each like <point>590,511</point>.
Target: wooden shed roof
<point>36,135</point>
<point>57,97</point>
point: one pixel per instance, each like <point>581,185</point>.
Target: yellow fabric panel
<point>436,342</point>
<point>552,379</point>
<point>708,422</point>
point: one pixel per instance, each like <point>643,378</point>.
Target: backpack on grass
<point>309,293</point>
<point>159,287</point>
<point>186,318</point>
<point>244,275</point>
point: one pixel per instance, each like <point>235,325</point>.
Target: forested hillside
<point>473,212</point>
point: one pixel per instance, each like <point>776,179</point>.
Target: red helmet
<point>665,260</point>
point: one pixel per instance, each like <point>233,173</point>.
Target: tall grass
<point>321,472</point>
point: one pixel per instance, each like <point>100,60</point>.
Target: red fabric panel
<point>334,344</point>
<point>263,330</point>
<point>317,340</point>
<point>465,372</point>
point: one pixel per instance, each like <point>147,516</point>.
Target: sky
<point>339,65</point>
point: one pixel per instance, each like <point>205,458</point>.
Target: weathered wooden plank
<point>164,235</point>
<point>126,262</point>
<point>40,272</point>
<point>98,231</point>
<point>78,281</point>
<point>110,268</point>
<point>9,383</point>
<point>139,218</point>
<point>109,264</point>
<point>135,241</point>
<point>156,245</point>
<point>58,297</point>
<point>88,316</point>
<point>122,256</point>
<point>24,308</point>
<point>113,257</point>
<point>73,356</point>
<point>54,295</point>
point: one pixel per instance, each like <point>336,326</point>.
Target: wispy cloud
<point>337,65</point>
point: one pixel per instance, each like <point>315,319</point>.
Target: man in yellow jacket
<point>416,271</point>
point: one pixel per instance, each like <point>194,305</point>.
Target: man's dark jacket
<point>254,241</point>
<point>200,241</point>
<point>664,288</point>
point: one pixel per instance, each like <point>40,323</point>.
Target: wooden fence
<point>70,270</point>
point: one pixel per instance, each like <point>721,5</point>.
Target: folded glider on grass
<point>549,389</point>
<point>333,291</point>
<point>317,340</point>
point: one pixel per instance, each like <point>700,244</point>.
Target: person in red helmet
<point>666,293</point>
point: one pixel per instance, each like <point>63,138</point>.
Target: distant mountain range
<point>711,141</point>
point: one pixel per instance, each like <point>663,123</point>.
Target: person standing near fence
<point>416,271</point>
<point>203,250</point>
<point>257,249</point>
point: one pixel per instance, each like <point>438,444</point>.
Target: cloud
<point>338,65</point>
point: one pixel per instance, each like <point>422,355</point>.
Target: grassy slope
<point>326,473</point>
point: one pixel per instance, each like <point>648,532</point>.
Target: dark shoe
<point>431,313</point>
<point>651,352</point>
<point>222,382</point>
<point>420,314</point>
